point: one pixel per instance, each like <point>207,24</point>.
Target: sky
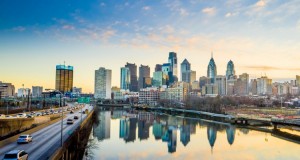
<point>261,37</point>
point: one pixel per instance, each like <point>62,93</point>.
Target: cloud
<point>68,27</point>
<point>102,4</point>
<point>260,3</point>
<point>183,12</point>
<point>269,68</point>
<point>209,11</point>
<point>167,29</point>
<point>146,8</point>
<point>19,29</point>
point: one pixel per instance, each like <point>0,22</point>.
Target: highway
<point>47,140</point>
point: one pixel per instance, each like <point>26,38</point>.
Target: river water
<point>145,135</point>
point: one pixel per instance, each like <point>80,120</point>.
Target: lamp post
<point>62,115</point>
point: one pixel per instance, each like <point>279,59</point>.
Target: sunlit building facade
<point>64,78</point>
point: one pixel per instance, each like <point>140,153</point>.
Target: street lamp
<point>62,115</point>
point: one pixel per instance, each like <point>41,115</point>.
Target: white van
<point>22,115</point>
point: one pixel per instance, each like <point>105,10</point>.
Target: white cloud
<point>102,4</point>
<point>230,14</point>
<point>209,10</point>
<point>260,3</point>
<point>19,29</point>
<point>68,27</point>
<point>183,12</point>
<point>146,8</point>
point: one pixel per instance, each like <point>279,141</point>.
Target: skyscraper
<point>173,62</point>
<point>166,69</point>
<point>158,67</point>
<point>230,72</point>
<point>125,78</point>
<point>185,71</point>
<point>221,84</point>
<point>242,85</point>
<point>159,79</point>
<point>102,83</point>
<point>64,78</point>
<point>144,75</point>
<point>211,69</point>
<point>133,76</point>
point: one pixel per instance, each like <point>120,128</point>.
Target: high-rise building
<point>185,71</point>
<point>264,85</point>
<point>230,72</point>
<point>102,83</point>
<point>242,85</point>
<point>133,76</point>
<point>7,90</point>
<point>144,74</point>
<point>158,67</point>
<point>159,79</point>
<point>125,78</point>
<point>253,87</point>
<point>23,92</point>
<point>173,62</point>
<point>37,91</point>
<point>212,69</point>
<point>166,69</point>
<point>64,78</point>
<point>230,86</point>
<point>298,80</point>
<point>193,77</point>
<point>203,81</point>
<point>220,81</point>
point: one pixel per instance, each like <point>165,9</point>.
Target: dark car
<point>71,112</point>
<point>75,117</point>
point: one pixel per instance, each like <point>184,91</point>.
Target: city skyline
<point>253,34</point>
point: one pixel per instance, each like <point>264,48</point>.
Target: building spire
<point>212,54</point>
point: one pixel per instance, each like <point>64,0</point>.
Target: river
<point>121,134</point>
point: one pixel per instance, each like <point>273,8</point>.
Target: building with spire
<point>212,69</point>
<point>230,72</point>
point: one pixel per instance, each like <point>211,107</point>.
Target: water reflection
<point>152,133</point>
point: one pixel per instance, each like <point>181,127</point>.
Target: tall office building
<point>221,84</point>
<point>193,77</point>
<point>230,72</point>
<point>242,85</point>
<point>203,81</point>
<point>264,85</point>
<point>102,83</point>
<point>7,90</point>
<point>64,78</point>
<point>159,79</point>
<point>173,62</point>
<point>166,69</point>
<point>158,67</point>
<point>133,76</point>
<point>144,76</point>
<point>23,92</point>
<point>37,91</point>
<point>253,87</point>
<point>186,71</point>
<point>212,69</point>
<point>298,80</point>
<point>125,78</point>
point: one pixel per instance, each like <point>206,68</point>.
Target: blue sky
<point>260,36</point>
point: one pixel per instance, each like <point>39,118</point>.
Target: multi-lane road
<point>47,140</point>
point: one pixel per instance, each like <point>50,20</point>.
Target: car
<point>16,155</point>
<point>26,138</point>
<point>70,121</point>
<point>22,115</point>
<point>75,117</point>
<point>83,112</point>
<point>29,116</point>
<point>71,112</point>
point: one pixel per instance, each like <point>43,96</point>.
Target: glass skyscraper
<point>125,78</point>
<point>212,69</point>
<point>64,78</point>
<point>133,76</point>
<point>173,62</point>
<point>186,71</point>
<point>230,72</point>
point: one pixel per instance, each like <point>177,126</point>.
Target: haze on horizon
<point>259,36</point>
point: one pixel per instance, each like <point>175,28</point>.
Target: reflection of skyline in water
<point>164,128</point>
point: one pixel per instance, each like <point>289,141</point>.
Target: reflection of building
<point>102,131</point>
<point>64,78</point>
<point>185,134</point>
<point>128,129</point>
<point>211,135</point>
<point>157,130</point>
<point>230,131</point>
<point>143,129</point>
<point>172,142</point>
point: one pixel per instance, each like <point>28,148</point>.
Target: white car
<point>24,139</point>
<point>22,115</point>
<point>16,155</point>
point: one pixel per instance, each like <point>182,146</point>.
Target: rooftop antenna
<point>64,63</point>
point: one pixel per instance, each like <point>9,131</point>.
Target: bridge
<point>47,141</point>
